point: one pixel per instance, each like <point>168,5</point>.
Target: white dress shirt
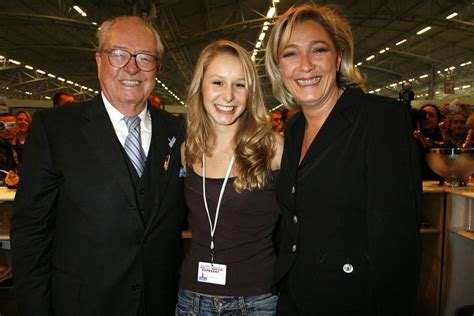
<point>121,129</point>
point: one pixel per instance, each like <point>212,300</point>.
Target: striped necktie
<point>133,144</point>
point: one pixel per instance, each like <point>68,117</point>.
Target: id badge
<point>212,273</point>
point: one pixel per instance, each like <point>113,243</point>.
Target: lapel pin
<point>171,141</point>
<point>167,163</point>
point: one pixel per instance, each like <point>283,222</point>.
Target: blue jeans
<point>196,304</point>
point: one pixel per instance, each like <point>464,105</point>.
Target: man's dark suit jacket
<point>349,234</point>
<point>86,239</point>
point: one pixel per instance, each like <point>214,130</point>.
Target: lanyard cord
<point>213,227</point>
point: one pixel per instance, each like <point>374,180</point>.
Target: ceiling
<point>51,36</point>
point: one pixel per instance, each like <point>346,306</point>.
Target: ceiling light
<point>14,61</point>
<point>271,12</point>
<point>371,91</point>
<point>424,76</point>
<point>262,36</point>
<point>426,29</point>
<point>370,57</point>
<point>377,90</point>
<point>258,44</point>
<point>79,10</point>
<point>40,71</point>
<point>452,15</point>
<point>466,86</point>
<point>452,68</point>
<point>29,67</point>
<point>2,57</point>
<point>457,88</point>
<point>401,42</point>
<point>51,75</point>
<point>437,92</point>
<point>382,51</point>
<point>359,63</point>
<point>69,82</point>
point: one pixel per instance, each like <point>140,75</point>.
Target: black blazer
<point>349,232</point>
<point>80,244</point>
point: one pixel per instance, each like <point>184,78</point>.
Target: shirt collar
<point>116,116</point>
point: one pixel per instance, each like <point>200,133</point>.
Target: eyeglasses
<point>7,125</point>
<point>119,58</point>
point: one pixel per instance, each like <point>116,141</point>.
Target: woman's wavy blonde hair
<point>254,141</point>
<point>338,29</point>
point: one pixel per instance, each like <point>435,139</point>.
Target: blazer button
<point>293,190</point>
<point>293,249</point>
<point>295,219</point>
<point>347,268</point>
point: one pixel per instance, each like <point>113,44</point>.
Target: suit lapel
<point>164,154</point>
<point>101,136</point>
<point>294,138</point>
<point>335,124</point>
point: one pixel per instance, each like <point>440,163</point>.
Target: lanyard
<point>213,226</point>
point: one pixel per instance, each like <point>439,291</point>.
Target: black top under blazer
<point>86,240</point>
<point>349,231</point>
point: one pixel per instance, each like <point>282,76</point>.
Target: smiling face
<point>224,91</point>
<point>23,122</point>
<point>309,63</point>
<point>128,87</point>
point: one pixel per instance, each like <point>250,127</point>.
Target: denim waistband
<point>201,301</point>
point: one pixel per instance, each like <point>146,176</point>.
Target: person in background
<point>350,190</point>
<point>278,121</point>
<point>23,119</point>
<point>8,154</point>
<point>428,125</point>
<point>458,128</point>
<point>156,101</point>
<point>99,209</point>
<point>61,98</point>
<point>232,159</point>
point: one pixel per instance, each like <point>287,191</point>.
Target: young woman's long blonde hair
<point>254,141</point>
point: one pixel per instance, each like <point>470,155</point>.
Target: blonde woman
<point>351,190</point>
<point>232,160</point>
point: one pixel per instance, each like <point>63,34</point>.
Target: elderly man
<point>99,208</point>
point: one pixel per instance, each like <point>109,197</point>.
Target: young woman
<point>231,158</point>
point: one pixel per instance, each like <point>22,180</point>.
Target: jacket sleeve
<point>393,210</point>
<point>33,223</point>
